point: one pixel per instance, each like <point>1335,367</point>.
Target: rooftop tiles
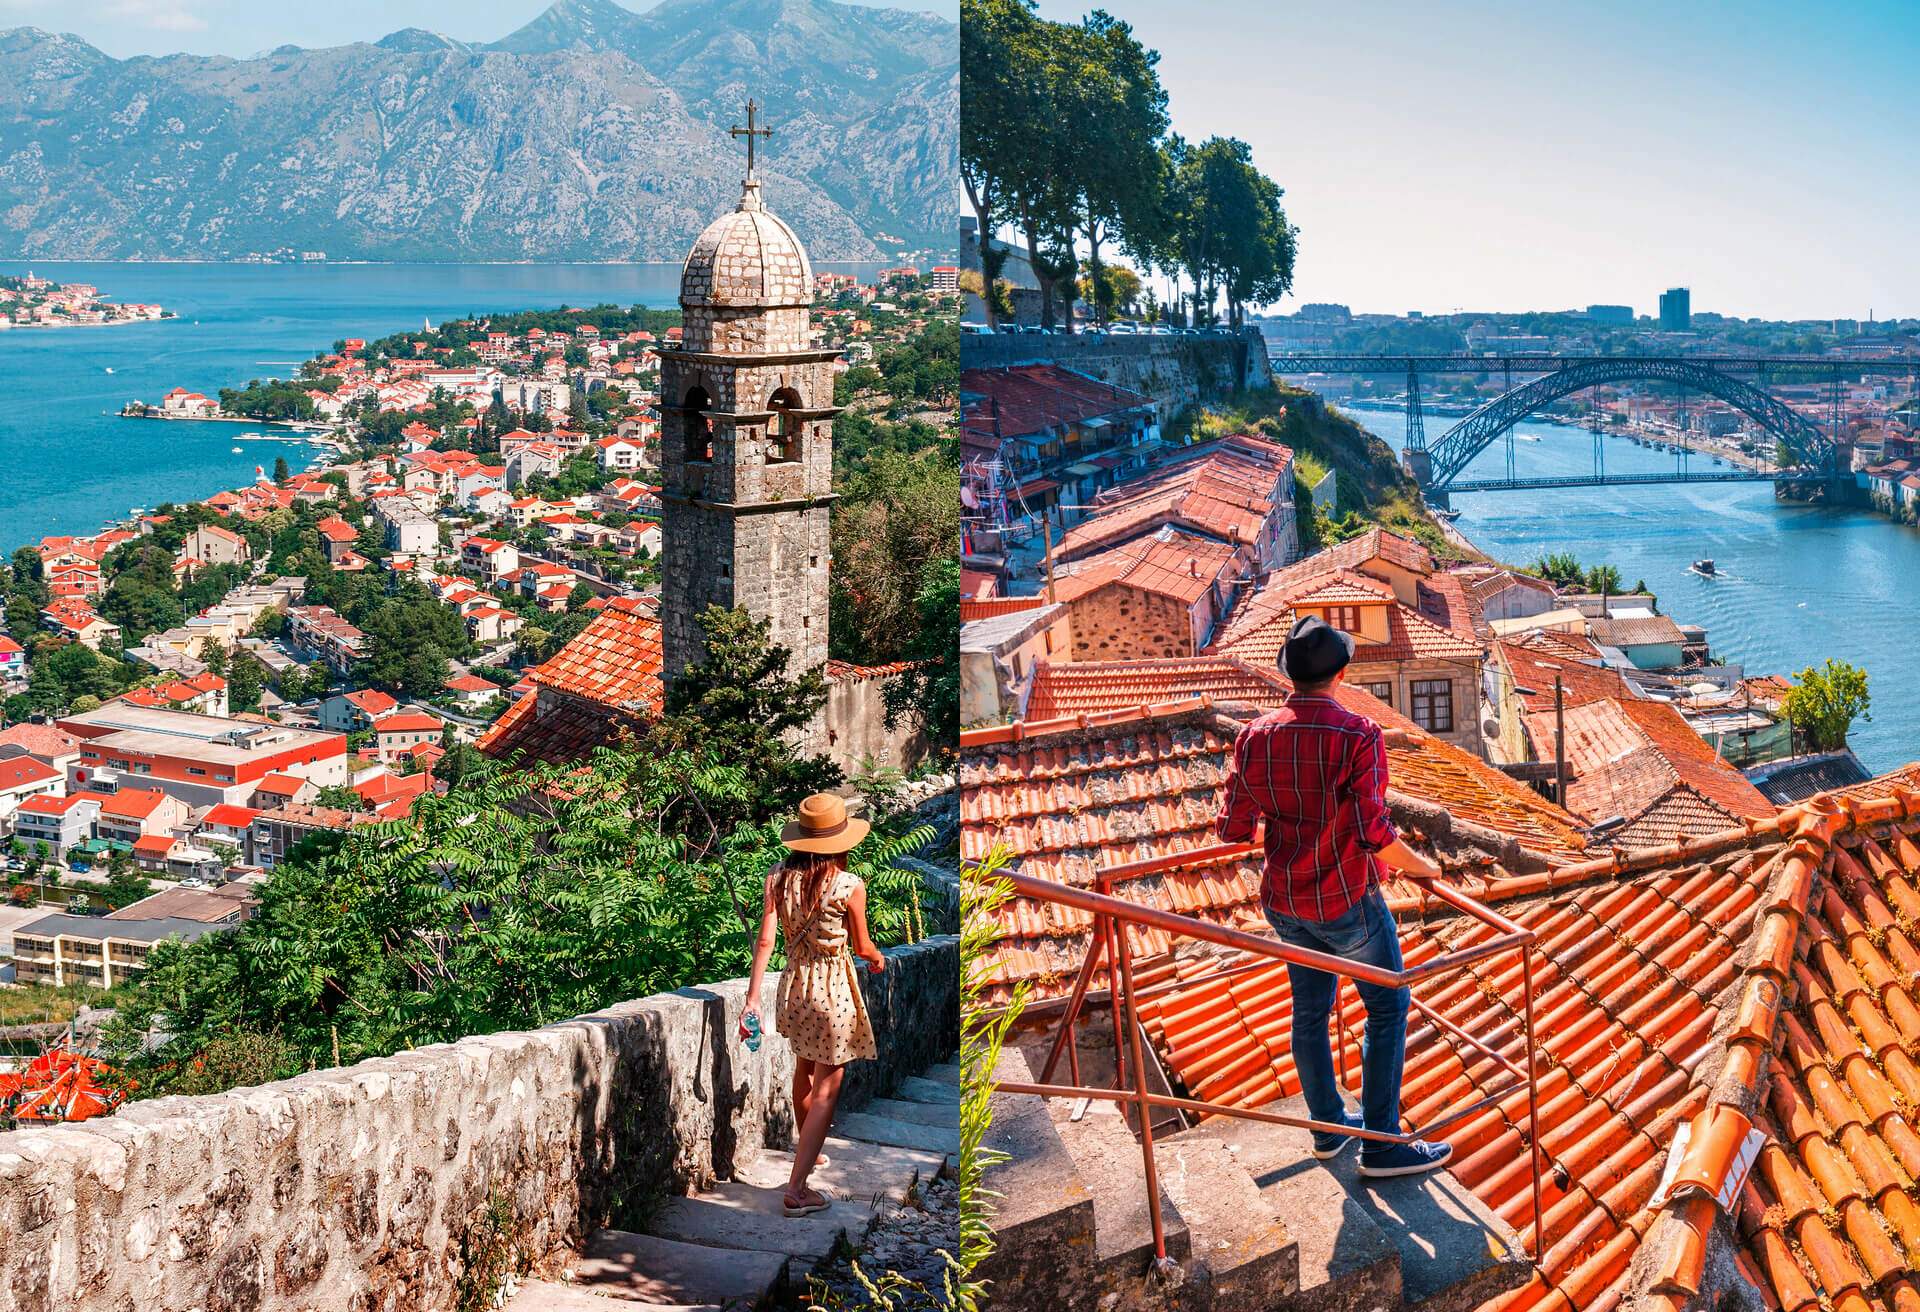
<point>1641,761</point>
<point>1761,976</point>
<point>1074,797</point>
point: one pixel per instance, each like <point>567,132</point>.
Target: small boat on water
<point>109,368</point>
<point>237,451</point>
<point>1704,568</point>
<point>1447,513</point>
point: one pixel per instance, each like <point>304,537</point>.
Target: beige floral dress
<point>820,1009</point>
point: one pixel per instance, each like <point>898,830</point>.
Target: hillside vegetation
<point>1373,488</point>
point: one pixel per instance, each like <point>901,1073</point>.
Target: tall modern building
<point>1676,310</point>
<point>1610,314</point>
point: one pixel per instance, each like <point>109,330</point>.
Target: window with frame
<point>1344,618</point>
<point>1384,691</point>
<point>1433,705</point>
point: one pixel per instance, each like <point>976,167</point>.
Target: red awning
<point>1037,487</point>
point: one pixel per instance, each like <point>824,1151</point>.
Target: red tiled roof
<point>409,722</point>
<point>284,785</point>
<point>1759,976</point>
<point>19,771</point>
<point>132,803</point>
<point>603,682</point>
<point>229,816</point>
<point>1223,493</point>
<point>47,741</point>
<point>1170,564</point>
<point>1640,760</point>
<point>154,845</point>
<point>1033,398</point>
<point>1258,627</point>
<point>986,608</point>
<point>1073,797</point>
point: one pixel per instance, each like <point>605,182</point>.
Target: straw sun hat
<point>822,825</point>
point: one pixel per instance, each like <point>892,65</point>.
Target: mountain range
<point>592,133</point>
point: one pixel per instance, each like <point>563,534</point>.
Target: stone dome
<point>746,259</point>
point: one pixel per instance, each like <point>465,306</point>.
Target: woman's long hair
<point>811,874</point>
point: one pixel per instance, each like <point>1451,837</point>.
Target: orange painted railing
<point>1130,1079</point>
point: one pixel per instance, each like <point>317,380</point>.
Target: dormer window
<point>783,428</point>
<point>1344,618</point>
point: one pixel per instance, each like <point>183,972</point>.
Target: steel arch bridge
<point>1448,457</point>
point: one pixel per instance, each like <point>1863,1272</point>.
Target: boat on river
<point>1704,568</point>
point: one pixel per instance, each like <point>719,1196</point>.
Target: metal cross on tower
<point>750,132</point>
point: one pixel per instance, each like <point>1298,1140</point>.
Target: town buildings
<point>198,759</point>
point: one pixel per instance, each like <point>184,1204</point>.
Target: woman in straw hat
<point>820,907</point>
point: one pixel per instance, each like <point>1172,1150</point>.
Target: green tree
<point>245,678</point>
<point>340,797</point>
<point>928,692</point>
<point>739,703</point>
<point>519,898</point>
<point>280,471</point>
<point>1823,705</point>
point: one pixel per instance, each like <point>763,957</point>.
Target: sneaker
<point>1416,1158</point>
<point>1331,1145</point>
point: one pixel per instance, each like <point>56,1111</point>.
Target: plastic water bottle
<point>752,1025</point>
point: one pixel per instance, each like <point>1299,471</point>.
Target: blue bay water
<point>1800,583</point>
<point>68,463</point>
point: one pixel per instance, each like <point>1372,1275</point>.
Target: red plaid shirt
<point>1317,774</point>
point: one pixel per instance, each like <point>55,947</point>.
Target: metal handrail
<point>1109,939</point>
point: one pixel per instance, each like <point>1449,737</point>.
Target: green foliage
<point>982,1035</point>
<point>489,1253</point>
<point>928,692</point>
<point>273,398</point>
<point>520,897</point>
<point>738,703</point>
<point>1825,701</point>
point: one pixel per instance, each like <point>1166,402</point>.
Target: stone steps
<point>916,1088</point>
<point>731,1247</point>
<point>871,1128</point>
<point>1423,1242</point>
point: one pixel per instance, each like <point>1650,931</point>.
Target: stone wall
<point>1174,371</point>
<point>352,1190</point>
<point>1118,623</point>
<point>856,720</point>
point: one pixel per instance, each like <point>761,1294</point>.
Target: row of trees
<point>1066,142</point>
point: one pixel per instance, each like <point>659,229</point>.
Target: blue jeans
<point>1365,933</point>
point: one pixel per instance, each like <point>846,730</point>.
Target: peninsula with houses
<point>31,301</point>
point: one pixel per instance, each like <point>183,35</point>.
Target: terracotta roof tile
<point>1640,760</point>
<point>1170,563</point>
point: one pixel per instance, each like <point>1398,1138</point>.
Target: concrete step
<point>723,1220</point>
<point>1241,1251</point>
<point>926,1113</point>
<point>1455,1253</point>
<point>1344,1262</point>
<point>620,1265</point>
<point>917,1088</point>
<point>945,1073</point>
<point>861,1172</point>
<point>1448,1250</point>
<point>1108,1159</point>
<point>551,1296</point>
<point>870,1128</point>
<point>1043,1214</point>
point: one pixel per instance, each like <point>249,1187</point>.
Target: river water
<point>68,463</point>
<point>1799,583</point>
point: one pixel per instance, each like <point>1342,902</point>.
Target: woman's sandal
<point>804,1208</point>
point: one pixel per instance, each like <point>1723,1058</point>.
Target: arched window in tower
<point>784,428</point>
<point>699,428</point>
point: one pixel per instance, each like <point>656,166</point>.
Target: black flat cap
<point>1315,651</point>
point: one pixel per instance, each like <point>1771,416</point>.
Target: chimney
<point>1193,567</point>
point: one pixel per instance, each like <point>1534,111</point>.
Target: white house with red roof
<point>22,777</point>
<point>59,820</point>
<point>619,454</point>
<point>492,559</point>
<point>394,734</point>
<point>471,692</point>
<point>13,659</point>
<point>130,814</point>
<point>182,404</point>
<point>217,546</point>
<point>350,712</point>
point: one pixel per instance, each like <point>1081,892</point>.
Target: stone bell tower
<point>746,437</point>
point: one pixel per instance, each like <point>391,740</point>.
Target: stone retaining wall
<point>353,1190</point>
<point>1174,371</point>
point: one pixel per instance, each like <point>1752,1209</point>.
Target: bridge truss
<point>1440,464</point>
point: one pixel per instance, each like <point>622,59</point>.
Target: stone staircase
<point>731,1248</point>
<point>1253,1221</point>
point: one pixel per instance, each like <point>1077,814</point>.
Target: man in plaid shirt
<point>1316,773</point>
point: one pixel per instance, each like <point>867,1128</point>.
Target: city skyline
<point>1487,159</point>
<point>240,29</point>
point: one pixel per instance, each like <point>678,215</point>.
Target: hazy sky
<point>247,27</point>
<point>1520,156</point>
